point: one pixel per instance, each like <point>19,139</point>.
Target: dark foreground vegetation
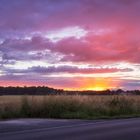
<point>70,107</point>
<point>38,102</point>
<point>51,91</point>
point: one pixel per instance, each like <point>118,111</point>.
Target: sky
<point>70,44</point>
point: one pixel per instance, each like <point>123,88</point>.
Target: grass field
<point>77,107</point>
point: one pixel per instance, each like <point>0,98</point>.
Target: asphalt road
<point>45,129</point>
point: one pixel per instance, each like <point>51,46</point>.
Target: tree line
<point>44,90</point>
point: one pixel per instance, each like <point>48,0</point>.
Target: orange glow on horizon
<point>96,84</point>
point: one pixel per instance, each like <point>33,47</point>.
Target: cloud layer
<point>77,39</point>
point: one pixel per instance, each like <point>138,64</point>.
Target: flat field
<point>70,107</point>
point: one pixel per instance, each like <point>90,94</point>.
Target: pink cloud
<point>113,36</point>
<point>109,47</point>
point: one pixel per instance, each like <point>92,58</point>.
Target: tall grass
<point>78,107</point>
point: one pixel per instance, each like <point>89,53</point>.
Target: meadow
<point>69,107</point>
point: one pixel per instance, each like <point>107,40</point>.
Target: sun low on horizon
<point>70,44</point>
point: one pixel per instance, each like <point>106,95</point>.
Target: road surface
<point>49,129</point>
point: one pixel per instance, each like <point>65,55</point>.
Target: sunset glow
<point>70,44</point>
<point>98,84</point>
